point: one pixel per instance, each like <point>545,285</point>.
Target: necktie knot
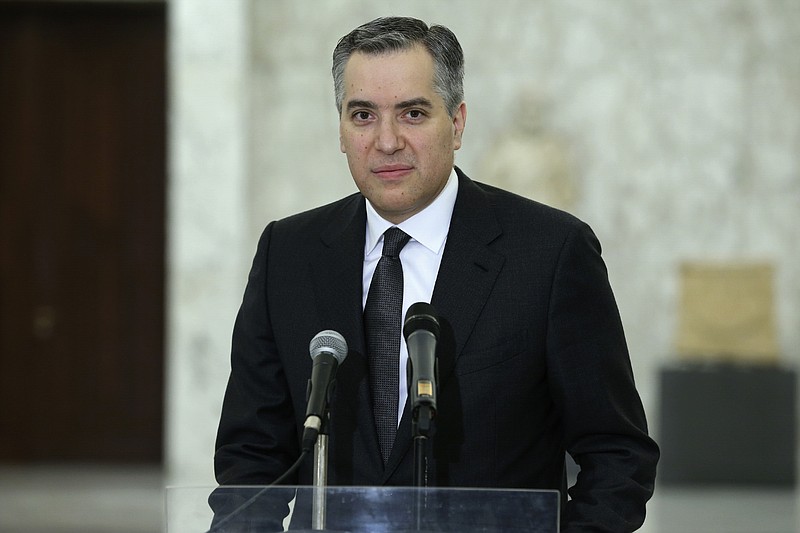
<point>394,239</point>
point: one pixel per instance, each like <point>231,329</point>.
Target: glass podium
<point>254,509</point>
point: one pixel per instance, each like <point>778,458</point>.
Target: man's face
<point>397,134</point>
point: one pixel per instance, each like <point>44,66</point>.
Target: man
<point>534,361</point>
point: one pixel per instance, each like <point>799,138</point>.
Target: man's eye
<point>361,115</point>
<point>415,114</point>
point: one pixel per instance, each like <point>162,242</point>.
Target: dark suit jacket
<point>533,361</point>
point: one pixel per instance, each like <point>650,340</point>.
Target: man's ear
<point>459,122</point>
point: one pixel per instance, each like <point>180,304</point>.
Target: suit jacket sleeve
<point>256,440</point>
<point>592,383</point>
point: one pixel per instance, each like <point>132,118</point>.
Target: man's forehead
<point>392,77</point>
<point>416,54</point>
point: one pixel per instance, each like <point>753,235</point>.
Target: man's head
<point>401,112</point>
<point>393,34</point>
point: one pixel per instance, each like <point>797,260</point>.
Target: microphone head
<point>421,315</point>
<point>328,341</point>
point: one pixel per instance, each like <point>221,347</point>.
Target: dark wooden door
<point>82,194</point>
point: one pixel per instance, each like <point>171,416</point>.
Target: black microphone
<point>328,349</point>
<point>421,331</point>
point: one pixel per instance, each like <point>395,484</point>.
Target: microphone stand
<point>421,428</point>
<point>320,478</point>
<point>421,424</point>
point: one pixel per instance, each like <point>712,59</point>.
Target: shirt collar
<point>429,227</point>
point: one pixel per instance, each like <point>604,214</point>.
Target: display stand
<point>361,509</point>
<point>728,424</point>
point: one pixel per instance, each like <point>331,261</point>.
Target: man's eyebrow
<point>368,104</point>
<point>414,102</point>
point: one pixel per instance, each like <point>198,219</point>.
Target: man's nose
<point>390,138</point>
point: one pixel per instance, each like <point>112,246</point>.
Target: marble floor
<point>131,500</point>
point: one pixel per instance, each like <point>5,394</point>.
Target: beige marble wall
<point>681,122</point>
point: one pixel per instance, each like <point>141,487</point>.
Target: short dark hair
<point>392,34</point>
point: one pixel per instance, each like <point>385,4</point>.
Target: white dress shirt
<point>421,258</point>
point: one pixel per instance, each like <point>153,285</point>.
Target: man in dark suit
<point>533,359</point>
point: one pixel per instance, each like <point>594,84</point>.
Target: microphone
<point>421,331</point>
<point>328,349</point>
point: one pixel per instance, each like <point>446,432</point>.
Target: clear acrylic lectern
<point>360,509</point>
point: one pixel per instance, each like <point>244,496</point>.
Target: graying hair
<point>392,34</point>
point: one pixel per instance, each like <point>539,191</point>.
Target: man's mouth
<point>392,171</point>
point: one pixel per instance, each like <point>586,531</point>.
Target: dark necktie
<point>382,321</point>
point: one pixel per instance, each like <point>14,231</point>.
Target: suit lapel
<point>337,272</point>
<point>469,267</point>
